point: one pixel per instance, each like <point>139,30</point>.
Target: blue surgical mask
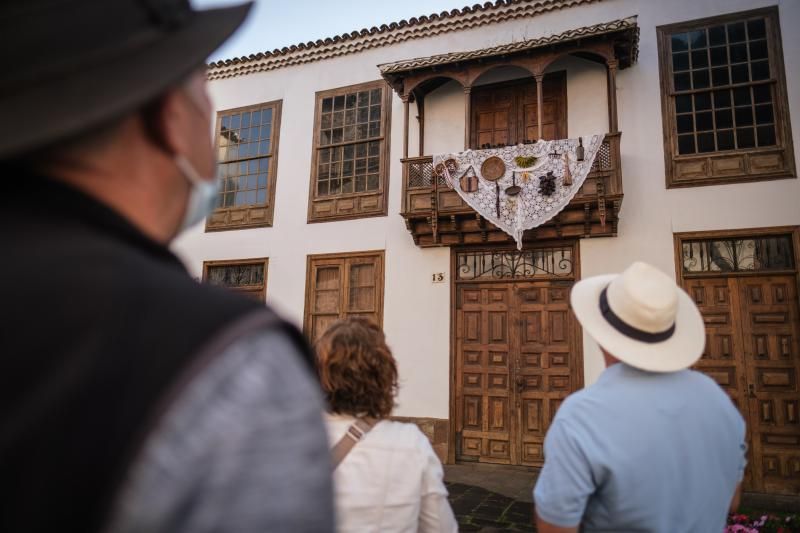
<point>202,194</point>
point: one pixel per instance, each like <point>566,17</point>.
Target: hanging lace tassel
<point>567,182</point>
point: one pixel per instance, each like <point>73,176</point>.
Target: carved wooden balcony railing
<point>437,216</point>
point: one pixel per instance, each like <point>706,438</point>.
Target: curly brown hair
<point>356,369</point>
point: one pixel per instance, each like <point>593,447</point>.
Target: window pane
<point>683,103</point>
<point>756,29</point>
<point>719,55</point>
<point>680,61</point>
<point>762,93</point>
<point>725,140</point>
<point>739,74</point>
<point>724,118</point>
<point>741,96</point>
<point>719,76</point>
<point>744,116</point>
<point>700,79</point>
<point>758,50</point>
<point>703,121</point>
<point>702,101</point>
<point>766,135</point>
<point>722,99</point>
<point>745,138</point>
<point>697,38</point>
<point>327,105</point>
<point>338,103</point>
<point>682,82</point>
<point>680,42</point>
<point>705,142</point>
<point>716,35</point>
<point>685,144</point>
<point>699,59</point>
<point>760,70</point>
<point>736,32</point>
<point>685,124</point>
<point>764,114</point>
<point>738,53</point>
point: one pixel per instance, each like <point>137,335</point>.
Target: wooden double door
<point>517,357</point>
<point>752,351</point>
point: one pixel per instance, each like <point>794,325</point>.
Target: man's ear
<point>166,120</point>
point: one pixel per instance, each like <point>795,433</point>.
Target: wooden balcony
<point>437,216</point>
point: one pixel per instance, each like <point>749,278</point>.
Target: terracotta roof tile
<point>388,34</point>
<point>520,46</point>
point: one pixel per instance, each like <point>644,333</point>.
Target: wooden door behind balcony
<point>506,113</point>
<point>516,360</point>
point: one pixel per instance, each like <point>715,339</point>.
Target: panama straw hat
<point>71,65</point>
<point>642,318</point>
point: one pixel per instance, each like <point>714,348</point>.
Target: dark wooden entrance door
<point>515,362</point>
<point>506,113</point>
<point>752,351</point>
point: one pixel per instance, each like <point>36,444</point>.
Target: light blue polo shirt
<point>643,451</point>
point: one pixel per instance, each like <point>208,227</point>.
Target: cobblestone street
<point>491,498</point>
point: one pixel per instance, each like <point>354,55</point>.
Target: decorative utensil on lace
<point>493,168</point>
<point>469,180</point>
<point>497,190</point>
<point>567,181</point>
<point>579,150</point>
<point>513,189</point>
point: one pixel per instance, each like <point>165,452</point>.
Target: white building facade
<point>330,206</point>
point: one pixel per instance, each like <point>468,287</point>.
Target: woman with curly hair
<point>387,477</point>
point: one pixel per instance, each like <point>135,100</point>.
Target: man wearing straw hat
<point>651,446</point>
<point>132,398</point>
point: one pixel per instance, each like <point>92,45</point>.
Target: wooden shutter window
<point>349,168</point>
<point>724,101</point>
<point>340,286</point>
<point>247,147</point>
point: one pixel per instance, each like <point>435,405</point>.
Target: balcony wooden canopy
<point>614,44</point>
<point>436,216</point>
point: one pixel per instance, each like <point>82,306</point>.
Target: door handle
<point>752,390</point>
<point>520,384</point>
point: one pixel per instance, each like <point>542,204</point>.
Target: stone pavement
<point>491,497</point>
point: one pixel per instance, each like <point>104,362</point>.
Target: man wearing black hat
<point>132,398</point>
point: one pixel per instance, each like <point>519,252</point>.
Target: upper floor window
<point>349,167</point>
<point>247,145</point>
<point>248,277</point>
<point>724,95</point>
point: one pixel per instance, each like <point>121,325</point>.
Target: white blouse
<point>391,481</point>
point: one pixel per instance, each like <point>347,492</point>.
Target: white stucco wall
<point>417,312</point>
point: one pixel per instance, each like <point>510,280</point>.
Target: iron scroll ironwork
<point>556,262</point>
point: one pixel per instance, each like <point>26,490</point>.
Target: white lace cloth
<point>529,208</point>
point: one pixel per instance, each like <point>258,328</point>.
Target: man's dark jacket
<point>100,327</point>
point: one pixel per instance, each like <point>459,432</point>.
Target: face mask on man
<point>202,191</point>
<point>202,194</point>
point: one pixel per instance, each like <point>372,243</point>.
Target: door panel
<point>752,330</point>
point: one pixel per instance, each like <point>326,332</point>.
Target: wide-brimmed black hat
<point>70,65</point>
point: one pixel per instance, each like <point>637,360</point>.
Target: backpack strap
<point>354,433</point>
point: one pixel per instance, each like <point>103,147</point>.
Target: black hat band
<point>628,330</point>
